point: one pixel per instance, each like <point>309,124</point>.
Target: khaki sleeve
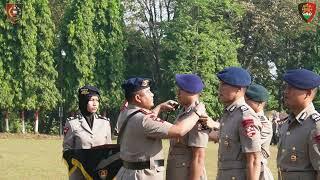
<point>249,133</point>
<point>109,140</point>
<point>198,137</point>
<point>314,148</point>
<point>155,127</point>
<point>68,138</point>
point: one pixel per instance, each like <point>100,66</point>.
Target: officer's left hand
<point>209,122</point>
<point>169,105</point>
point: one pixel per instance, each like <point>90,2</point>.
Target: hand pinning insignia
<point>65,130</point>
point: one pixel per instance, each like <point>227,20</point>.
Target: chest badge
<point>226,142</point>
<point>293,157</point>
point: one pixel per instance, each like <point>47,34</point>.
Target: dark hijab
<point>85,93</point>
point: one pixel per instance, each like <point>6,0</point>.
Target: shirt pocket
<point>181,162</point>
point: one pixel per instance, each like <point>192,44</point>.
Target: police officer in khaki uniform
<point>141,144</point>
<point>257,97</point>
<point>87,129</point>
<point>186,159</point>
<point>299,144</point>
<point>239,135</point>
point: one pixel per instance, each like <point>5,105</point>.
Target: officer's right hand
<point>200,109</point>
<point>169,105</point>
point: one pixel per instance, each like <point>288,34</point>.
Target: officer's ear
<point>309,93</point>
<point>137,97</point>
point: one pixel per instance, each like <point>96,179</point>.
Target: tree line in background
<point>59,46</point>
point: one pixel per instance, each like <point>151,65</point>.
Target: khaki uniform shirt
<point>239,134</point>
<point>180,152</point>
<point>141,141</point>
<point>298,148</point>
<point>78,135</point>
<point>266,136</point>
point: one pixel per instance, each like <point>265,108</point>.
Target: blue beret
<point>135,84</point>
<point>189,82</point>
<point>88,90</point>
<point>257,93</point>
<point>235,76</point>
<point>302,78</point>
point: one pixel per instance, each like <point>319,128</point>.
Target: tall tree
<point>79,42</point>
<point>200,40</point>
<point>8,46</point>
<point>148,17</point>
<point>35,75</point>
<point>45,74</point>
<point>275,39</point>
<point>108,28</point>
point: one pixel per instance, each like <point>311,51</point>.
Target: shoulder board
<point>102,117</point>
<point>143,111</point>
<point>282,121</point>
<point>72,118</point>
<point>315,117</point>
<point>244,108</point>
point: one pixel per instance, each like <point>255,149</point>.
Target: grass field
<point>32,157</point>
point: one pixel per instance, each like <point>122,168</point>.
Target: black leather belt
<point>142,165</point>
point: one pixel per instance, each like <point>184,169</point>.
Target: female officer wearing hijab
<point>87,129</point>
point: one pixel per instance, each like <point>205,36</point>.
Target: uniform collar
<point>85,125</point>
<point>237,103</point>
<point>304,113</point>
<point>132,106</point>
<point>187,110</point>
<point>261,113</point>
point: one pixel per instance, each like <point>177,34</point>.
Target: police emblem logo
<point>145,83</point>
<point>307,11</point>
<point>103,173</point>
<point>14,12</point>
<point>293,158</point>
<point>84,91</point>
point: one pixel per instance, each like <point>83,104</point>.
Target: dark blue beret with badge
<point>190,83</point>
<point>257,93</point>
<point>235,76</point>
<point>302,78</point>
<point>135,84</point>
<point>88,90</point>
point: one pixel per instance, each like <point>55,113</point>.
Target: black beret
<point>135,84</point>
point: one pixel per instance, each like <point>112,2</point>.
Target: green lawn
<point>34,158</point>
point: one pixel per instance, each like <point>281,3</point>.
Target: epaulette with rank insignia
<point>315,117</point>
<point>282,121</point>
<point>244,108</point>
<point>71,118</point>
<point>102,117</point>
<point>143,111</point>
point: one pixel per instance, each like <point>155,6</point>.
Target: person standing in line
<point>299,144</point>
<point>186,159</point>
<point>239,137</point>
<point>256,97</point>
